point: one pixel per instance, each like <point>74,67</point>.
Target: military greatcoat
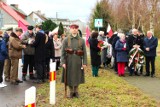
<point>74,75</point>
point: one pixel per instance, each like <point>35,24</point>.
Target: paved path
<point>14,96</point>
<point>150,86</point>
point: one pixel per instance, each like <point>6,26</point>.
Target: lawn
<point>107,90</point>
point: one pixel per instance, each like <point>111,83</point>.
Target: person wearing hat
<point>3,56</point>
<point>74,60</point>
<point>7,63</point>
<point>15,53</point>
<point>28,38</point>
<point>39,45</point>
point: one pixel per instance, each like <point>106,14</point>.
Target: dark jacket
<point>133,40</point>
<point>122,55</point>
<point>3,50</point>
<point>26,37</point>
<point>6,39</point>
<point>94,52</point>
<point>151,44</point>
<point>39,45</point>
<point>49,48</point>
<point>115,39</point>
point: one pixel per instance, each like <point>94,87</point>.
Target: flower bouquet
<point>100,45</point>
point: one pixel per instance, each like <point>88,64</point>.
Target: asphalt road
<point>14,95</point>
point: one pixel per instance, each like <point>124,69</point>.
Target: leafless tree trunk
<point>152,14</point>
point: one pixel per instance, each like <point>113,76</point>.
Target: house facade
<point>9,17</point>
<point>37,17</point>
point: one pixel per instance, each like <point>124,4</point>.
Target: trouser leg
<point>31,64</point>
<point>7,68</point>
<point>47,67</point>
<point>153,65</point>
<point>93,70</point>
<point>147,66</point>
<point>14,70</point>
<point>25,65</point>
<point>1,71</point>
<point>96,71</point>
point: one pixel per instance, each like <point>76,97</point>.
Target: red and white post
<point>30,97</point>
<point>53,83</point>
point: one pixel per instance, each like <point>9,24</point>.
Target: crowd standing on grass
<point>40,48</point>
<point>131,51</point>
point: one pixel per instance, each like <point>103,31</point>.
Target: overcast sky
<point>72,9</point>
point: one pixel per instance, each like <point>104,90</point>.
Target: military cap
<point>9,29</point>
<point>74,26</point>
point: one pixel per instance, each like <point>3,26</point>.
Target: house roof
<point>18,10</point>
<point>40,16</point>
<point>12,13</point>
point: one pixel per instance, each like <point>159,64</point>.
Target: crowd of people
<point>121,51</point>
<point>38,48</point>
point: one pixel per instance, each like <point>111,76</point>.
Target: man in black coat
<point>150,45</point>
<point>134,41</point>
<point>39,45</point>
<point>115,39</point>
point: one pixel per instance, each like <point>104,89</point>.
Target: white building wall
<point>36,19</point>
<point>8,21</point>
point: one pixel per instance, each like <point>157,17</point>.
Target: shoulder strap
<point>69,41</point>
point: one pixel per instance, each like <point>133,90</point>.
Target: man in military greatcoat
<point>74,60</point>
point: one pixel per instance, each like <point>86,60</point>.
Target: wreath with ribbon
<point>136,58</point>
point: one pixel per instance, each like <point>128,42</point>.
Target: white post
<point>30,97</point>
<point>53,83</point>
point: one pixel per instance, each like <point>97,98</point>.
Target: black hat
<point>30,27</point>
<point>9,29</point>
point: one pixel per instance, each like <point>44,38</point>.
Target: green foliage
<point>101,11</point>
<point>61,29</point>
<point>48,25</point>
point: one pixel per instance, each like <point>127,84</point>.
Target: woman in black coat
<point>94,52</point>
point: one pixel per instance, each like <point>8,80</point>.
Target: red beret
<point>74,26</point>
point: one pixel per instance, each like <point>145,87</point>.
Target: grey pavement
<point>14,95</point>
<point>148,85</point>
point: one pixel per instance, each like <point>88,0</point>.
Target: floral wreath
<point>136,58</point>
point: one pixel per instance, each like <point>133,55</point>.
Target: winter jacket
<point>39,45</point>
<point>122,55</point>
<point>94,52</point>
<point>15,48</point>
<point>57,47</point>
<point>3,50</point>
<point>152,45</point>
<point>26,38</point>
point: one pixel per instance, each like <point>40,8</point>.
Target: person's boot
<point>136,73</point>
<point>71,95</point>
<point>31,77</point>
<point>76,92</point>
<point>76,95</point>
<point>24,78</point>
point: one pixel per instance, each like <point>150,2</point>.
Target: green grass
<point>108,90</point>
